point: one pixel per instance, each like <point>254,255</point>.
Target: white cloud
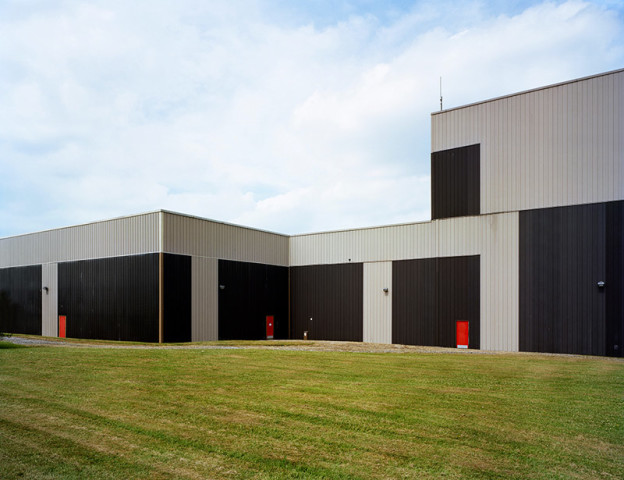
<point>217,110</point>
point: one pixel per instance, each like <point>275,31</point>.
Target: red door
<point>462,334</point>
<point>62,322</point>
<point>269,327</point>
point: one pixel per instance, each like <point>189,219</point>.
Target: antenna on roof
<point>440,93</point>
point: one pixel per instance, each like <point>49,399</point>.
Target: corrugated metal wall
<point>250,293</point>
<point>122,236</point>
<point>177,316</point>
<point>204,238</point>
<point>455,178</point>
<point>415,303</point>
<point>110,298</point>
<point>20,300</point>
<point>204,299</point>
<point>493,237</point>
<point>563,254</point>
<point>49,300</point>
<point>559,145</point>
<point>377,303</point>
<point>615,279</point>
<point>327,301</point>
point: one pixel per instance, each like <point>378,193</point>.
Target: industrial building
<point>524,252</point>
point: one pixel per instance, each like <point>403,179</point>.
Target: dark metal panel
<point>110,298</point>
<point>414,302</point>
<point>562,257</point>
<point>431,295</point>
<point>20,300</point>
<point>614,281</point>
<point>177,301</point>
<point>455,182</point>
<point>459,299</point>
<point>330,295</point>
<point>248,293</point>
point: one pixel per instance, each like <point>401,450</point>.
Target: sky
<point>288,116</point>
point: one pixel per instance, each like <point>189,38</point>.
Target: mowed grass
<point>77,412</point>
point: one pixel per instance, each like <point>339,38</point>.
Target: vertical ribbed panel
<point>416,240</point>
<point>20,300</point>
<point>204,298</point>
<point>499,282</point>
<point>455,181</point>
<point>111,238</point>
<point>493,237</point>
<point>377,303</point>
<point>110,298</point>
<point>564,253</point>
<point>205,238</point>
<point>326,301</point>
<point>49,300</point>
<point>559,145</point>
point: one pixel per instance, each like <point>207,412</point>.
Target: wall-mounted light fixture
<point>385,290</point>
<point>46,290</point>
<point>601,284</point>
<point>221,287</point>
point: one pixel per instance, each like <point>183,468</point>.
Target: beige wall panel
<point>49,300</point>
<point>377,304</point>
<point>205,238</point>
<point>417,240</point>
<point>554,146</point>
<point>204,299</point>
<point>500,282</point>
<point>459,236</point>
<point>117,237</point>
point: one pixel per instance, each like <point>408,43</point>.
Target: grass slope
<point>101,413</point>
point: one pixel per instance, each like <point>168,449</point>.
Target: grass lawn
<point>77,412</point>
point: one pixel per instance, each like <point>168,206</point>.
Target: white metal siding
<point>560,145</point>
<point>111,238</point>
<point>195,236</point>
<point>500,282</point>
<point>49,301</point>
<point>204,299</point>
<point>377,304</point>
<point>417,240</point>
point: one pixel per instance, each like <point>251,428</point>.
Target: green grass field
<point>77,412</point>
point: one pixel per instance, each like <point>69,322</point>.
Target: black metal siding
<point>332,295</point>
<point>110,298</point>
<point>431,295</point>
<point>20,300</point>
<point>248,293</point>
<point>458,298</point>
<point>455,182</point>
<point>414,302</point>
<point>563,255</point>
<point>177,301</point>
<point>614,288</point>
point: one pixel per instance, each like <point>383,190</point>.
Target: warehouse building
<point>524,252</point>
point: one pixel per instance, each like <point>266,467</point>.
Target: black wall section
<point>431,295</point>
<point>177,302</point>
<point>459,298</point>
<point>414,302</point>
<point>110,298</point>
<point>455,182</point>
<point>332,296</point>
<point>20,300</point>
<point>251,292</point>
<point>564,253</point>
<point>614,288</point>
